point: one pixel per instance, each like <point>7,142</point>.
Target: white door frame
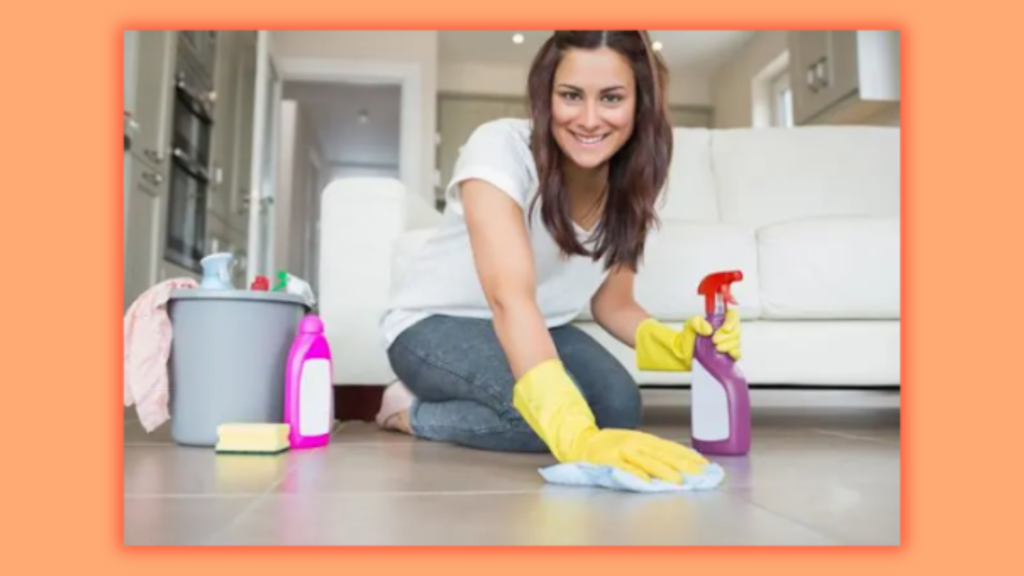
<point>407,75</point>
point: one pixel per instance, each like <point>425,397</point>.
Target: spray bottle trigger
<point>718,285</point>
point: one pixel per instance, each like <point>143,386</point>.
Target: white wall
<point>409,46</point>
<point>510,80</point>
<point>731,90</point>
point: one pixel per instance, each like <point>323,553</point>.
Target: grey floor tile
<point>417,466</point>
<point>170,521</point>
<point>554,516</point>
<point>135,434</point>
<point>817,475</point>
<point>160,470</point>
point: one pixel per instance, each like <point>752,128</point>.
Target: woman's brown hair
<point>636,173</point>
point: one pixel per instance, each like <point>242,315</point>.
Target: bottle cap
<point>718,284</point>
<point>311,324</point>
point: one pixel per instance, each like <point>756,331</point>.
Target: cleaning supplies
<point>252,438</point>
<point>309,392</point>
<point>292,284</point>
<point>612,478</point>
<point>217,271</point>
<point>720,407</point>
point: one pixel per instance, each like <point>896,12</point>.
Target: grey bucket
<point>229,354</point>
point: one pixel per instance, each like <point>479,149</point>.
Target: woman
<point>545,217</point>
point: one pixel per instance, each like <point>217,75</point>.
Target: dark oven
<point>185,242</point>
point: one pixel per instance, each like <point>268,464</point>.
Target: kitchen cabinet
<point>223,137</point>
<point>154,93</point>
<point>147,193</point>
<point>149,131</point>
<point>843,76</point>
<point>231,150</point>
<point>149,170</point>
<point>235,82</point>
<point>244,105</point>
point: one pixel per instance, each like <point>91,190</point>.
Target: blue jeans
<point>463,384</point>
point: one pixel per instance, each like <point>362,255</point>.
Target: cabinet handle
<point>819,72</point>
<point>811,83</point>
<point>154,155</point>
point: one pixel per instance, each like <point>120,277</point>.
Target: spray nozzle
<point>717,290</point>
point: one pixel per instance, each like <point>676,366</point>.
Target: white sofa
<point>811,216</point>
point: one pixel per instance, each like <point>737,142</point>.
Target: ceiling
<point>696,51</point>
<point>332,111</point>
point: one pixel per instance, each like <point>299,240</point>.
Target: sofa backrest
<point>755,177</point>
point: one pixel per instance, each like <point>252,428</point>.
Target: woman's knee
<point>620,405</point>
<point>610,389</point>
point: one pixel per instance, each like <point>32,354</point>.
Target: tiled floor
<point>821,473</point>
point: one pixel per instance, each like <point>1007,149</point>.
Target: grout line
<point>832,540</point>
<point>181,496</point>
<point>260,495</point>
<point>856,437</point>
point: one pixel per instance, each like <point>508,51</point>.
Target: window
<point>782,101</point>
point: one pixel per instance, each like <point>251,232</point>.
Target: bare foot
<point>394,409</point>
<point>399,422</point>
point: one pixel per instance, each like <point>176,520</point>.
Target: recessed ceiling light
<point>518,38</point>
<point>657,46</point>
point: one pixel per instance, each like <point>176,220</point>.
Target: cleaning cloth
<point>582,474</point>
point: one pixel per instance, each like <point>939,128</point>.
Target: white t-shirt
<point>442,278</point>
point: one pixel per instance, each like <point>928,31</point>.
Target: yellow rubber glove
<point>555,409</point>
<point>660,348</point>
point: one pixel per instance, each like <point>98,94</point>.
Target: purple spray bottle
<point>308,391</point>
<point>720,407</point>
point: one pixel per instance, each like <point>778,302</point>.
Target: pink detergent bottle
<point>720,407</point>
<point>308,392</point>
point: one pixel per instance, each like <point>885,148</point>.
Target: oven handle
<point>190,166</point>
<point>193,102</point>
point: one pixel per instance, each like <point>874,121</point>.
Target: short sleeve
<point>497,152</point>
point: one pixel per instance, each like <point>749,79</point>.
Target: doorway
<point>337,118</point>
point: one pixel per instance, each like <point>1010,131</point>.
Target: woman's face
<point>593,105</point>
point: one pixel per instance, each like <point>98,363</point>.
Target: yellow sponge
<point>252,438</point>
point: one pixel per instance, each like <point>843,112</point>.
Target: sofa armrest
<point>361,220</point>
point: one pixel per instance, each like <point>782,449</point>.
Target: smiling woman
<point>545,217</point>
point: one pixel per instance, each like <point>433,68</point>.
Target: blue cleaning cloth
<point>579,474</point>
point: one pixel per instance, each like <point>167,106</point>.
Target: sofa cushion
<point>768,177</point>
<point>690,190</point>
<point>832,268</point>
<point>680,254</point>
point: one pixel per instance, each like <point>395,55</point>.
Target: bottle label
<point>710,419</point>
<point>315,398</point>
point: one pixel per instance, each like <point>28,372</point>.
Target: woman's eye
<point>570,95</point>
<point>613,98</point>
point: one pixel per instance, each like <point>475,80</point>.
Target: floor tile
<point>159,470</point>
<point>135,434</point>
<point>170,521</point>
<point>553,516</point>
<point>417,466</point>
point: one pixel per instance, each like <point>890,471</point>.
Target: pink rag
<point>147,346</point>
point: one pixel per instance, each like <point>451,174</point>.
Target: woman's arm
<point>504,264</point>
<point>615,309</point>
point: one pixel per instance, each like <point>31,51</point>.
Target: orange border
<point>62,390</point>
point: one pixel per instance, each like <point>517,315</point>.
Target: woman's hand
<point>660,348</point>
<point>641,454</point>
<point>555,409</point>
